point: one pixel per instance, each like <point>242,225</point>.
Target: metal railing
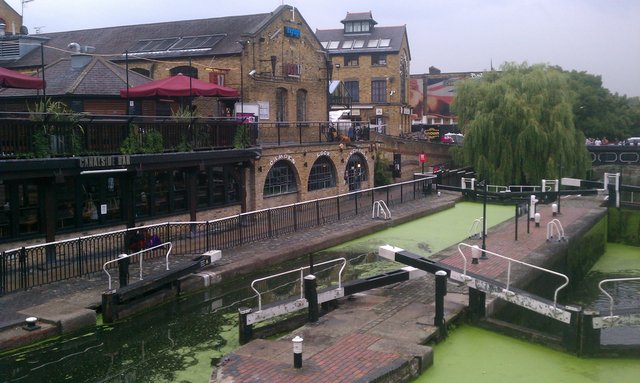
<point>140,254</point>
<point>511,261</point>
<point>30,266</point>
<point>25,135</point>
<point>299,270</point>
<point>611,316</point>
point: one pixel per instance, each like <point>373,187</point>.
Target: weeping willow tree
<point>518,126</point>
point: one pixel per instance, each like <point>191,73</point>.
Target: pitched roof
<point>98,77</point>
<point>359,16</point>
<point>118,40</point>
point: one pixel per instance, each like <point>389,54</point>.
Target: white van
<point>635,141</point>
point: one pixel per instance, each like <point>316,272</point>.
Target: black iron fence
<point>37,265</point>
<point>47,135</point>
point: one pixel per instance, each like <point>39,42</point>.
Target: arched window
<point>301,105</point>
<point>323,174</point>
<point>355,172</point>
<point>281,179</point>
<point>185,70</point>
<point>281,105</point>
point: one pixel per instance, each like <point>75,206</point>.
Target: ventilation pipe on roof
<point>75,47</point>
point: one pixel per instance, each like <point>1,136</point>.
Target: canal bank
<point>380,335</point>
<point>69,306</point>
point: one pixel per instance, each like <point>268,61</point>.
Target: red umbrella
<point>12,79</point>
<point>179,85</point>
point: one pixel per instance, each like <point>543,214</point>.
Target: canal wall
<point>624,226</point>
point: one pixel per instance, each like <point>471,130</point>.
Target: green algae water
<point>433,233</point>
<point>471,354</point>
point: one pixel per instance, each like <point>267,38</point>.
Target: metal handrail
<point>140,253</point>
<point>475,229</point>
<point>301,271</point>
<point>510,261</point>
<point>558,226</point>
<point>380,207</point>
<point>608,295</point>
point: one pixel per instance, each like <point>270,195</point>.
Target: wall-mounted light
<point>337,66</point>
<point>252,73</point>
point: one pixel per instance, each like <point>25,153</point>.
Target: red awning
<point>177,86</point>
<point>12,79</point>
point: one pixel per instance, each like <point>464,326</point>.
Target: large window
<point>353,87</point>
<point>322,174</point>
<point>301,105</point>
<point>280,180</point>
<point>216,186</point>
<point>281,105</point>
<point>379,91</point>
<point>357,27</point>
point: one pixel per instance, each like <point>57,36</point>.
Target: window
<point>301,105</point>
<point>216,186</point>
<point>358,44</point>
<point>322,174</point>
<point>351,60</point>
<point>384,43</point>
<point>185,70</point>
<point>216,78</point>
<point>357,27</point>
<point>281,105</point>
<point>353,87</point>
<point>379,59</point>
<point>142,71</point>
<point>347,44</point>
<point>333,44</point>
<point>379,91</point>
<point>280,180</point>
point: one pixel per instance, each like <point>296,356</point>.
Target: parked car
<point>452,138</point>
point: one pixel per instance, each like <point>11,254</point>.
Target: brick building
<point>374,64</point>
<point>276,62</point>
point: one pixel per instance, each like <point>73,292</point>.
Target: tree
<point>597,112</point>
<point>518,125</point>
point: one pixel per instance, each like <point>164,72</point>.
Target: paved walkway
<point>383,331</point>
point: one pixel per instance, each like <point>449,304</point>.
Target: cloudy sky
<point>598,37</point>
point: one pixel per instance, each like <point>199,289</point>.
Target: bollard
<point>537,219</point>
<point>297,352</point>
<point>475,254</point>
<point>31,324</point>
<point>554,209</point>
<point>311,295</point>
<point>441,291</point>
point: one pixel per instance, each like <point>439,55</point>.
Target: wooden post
<point>441,291</point>
<point>477,308</point>
<point>590,337</point>
<point>311,294</point>
<point>571,334</point>
<point>245,331</point>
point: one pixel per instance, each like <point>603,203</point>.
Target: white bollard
<point>297,352</point>
<point>475,254</point>
<point>537,219</point>
<point>554,209</point>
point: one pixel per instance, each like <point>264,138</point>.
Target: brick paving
<point>374,348</point>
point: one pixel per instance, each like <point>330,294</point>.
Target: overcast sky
<point>598,37</point>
